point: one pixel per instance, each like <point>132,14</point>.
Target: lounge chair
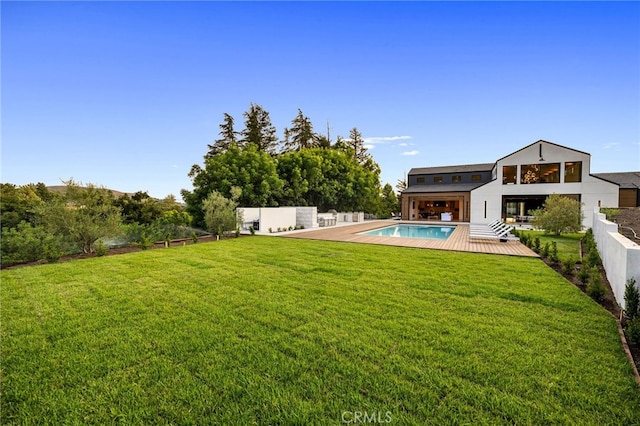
<point>500,232</point>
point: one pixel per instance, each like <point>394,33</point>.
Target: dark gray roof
<point>626,180</point>
<point>450,187</point>
<point>464,168</point>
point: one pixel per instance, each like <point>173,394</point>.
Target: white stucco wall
<point>307,217</point>
<point>620,256</point>
<point>248,216</point>
<point>350,217</point>
<point>269,217</point>
<point>277,217</point>
<point>594,192</point>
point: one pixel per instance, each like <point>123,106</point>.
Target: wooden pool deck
<point>457,241</point>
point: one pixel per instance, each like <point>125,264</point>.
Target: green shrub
<point>220,213</point>
<point>145,241</point>
<point>27,243</point>
<point>631,299</point>
<point>553,252</point>
<point>559,214</point>
<point>252,230</point>
<point>53,249</point>
<point>536,245</point>
<point>595,289</point>
<point>194,237</point>
<point>524,238</point>
<point>633,330</point>
<point>101,250</point>
<point>237,232</point>
<point>610,213</point>
<point>569,266</point>
<point>588,241</point>
<point>593,257</point>
<point>584,274</point>
<point>544,252</point>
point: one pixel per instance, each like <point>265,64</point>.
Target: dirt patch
<point>628,220</point>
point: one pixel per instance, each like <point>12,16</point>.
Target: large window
<point>573,171</point>
<point>420,180</point>
<point>509,174</point>
<point>437,179</point>
<point>540,173</point>
<point>456,178</point>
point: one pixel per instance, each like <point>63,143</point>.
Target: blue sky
<point>129,94</point>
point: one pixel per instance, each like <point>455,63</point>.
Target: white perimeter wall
<point>307,217</point>
<point>278,217</point>
<point>620,256</point>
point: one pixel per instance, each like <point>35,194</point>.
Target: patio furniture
<point>493,231</point>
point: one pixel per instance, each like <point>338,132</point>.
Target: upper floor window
<point>550,173</point>
<point>540,173</point>
<point>573,171</point>
<point>456,178</point>
<point>476,177</point>
<point>437,179</point>
<point>509,174</point>
<point>420,180</point>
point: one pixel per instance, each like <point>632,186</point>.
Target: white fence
<point>265,218</point>
<point>620,256</point>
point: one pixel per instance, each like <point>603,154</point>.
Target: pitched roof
<point>542,141</point>
<point>451,187</point>
<point>464,168</point>
<point>626,180</point>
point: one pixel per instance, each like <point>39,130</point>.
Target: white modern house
<point>508,188</point>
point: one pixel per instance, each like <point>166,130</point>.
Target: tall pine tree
<point>300,136</point>
<point>228,136</point>
<point>259,130</point>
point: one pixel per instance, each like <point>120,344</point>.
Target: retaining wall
<point>620,256</point>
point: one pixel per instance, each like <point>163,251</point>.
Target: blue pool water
<point>413,231</point>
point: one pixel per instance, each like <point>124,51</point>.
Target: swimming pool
<point>412,231</point>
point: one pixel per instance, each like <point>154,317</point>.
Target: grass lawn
<point>568,244</point>
<point>266,330</point>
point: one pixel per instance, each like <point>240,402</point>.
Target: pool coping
<point>457,241</point>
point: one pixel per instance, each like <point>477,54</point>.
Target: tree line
<point>249,168</point>
<point>305,168</point>
<point>40,224</point>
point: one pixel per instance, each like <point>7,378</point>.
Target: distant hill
<point>62,189</point>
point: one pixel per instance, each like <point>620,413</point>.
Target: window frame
<point>577,164</point>
<point>515,174</point>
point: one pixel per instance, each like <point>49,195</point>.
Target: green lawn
<point>568,244</point>
<point>266,330</point>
